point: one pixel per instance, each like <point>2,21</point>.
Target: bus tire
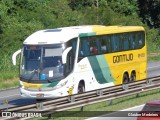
<point>125,78</point>
<point>133,77</point>
<point>81,87</point>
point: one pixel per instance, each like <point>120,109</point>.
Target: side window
<point>121,38</point>
<point>133,41</point>
<point>126,41</point>
<point>108,43</point>
<point>137,40</point>
<point>140,39</point>
<point>71,55</point>
<point>83,48</point>
<point>74,46</point>
<point>98,44</point>
<point>115,43</point>
<point>69,63</point>
<point>93,47</point>
<point>103,45</point>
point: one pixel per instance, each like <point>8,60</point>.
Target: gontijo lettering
<point>122,58</point>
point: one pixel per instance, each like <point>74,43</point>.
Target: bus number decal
<point>141,55</point>
<point>122,58</point>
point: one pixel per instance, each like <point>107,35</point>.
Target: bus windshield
<point>41,63</point>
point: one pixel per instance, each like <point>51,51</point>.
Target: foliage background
<point>20,18</point>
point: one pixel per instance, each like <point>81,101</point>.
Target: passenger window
<point>132,41</point>
<point>115,43</point>
<point>140,39</point>
<point>103,45</point>
<point>125,42</point>
<point>93,47</point>
<point>83,48</point>
<point>74,46</point>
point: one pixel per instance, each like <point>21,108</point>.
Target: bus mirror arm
<point>64,55</point>
<point>14,56</point>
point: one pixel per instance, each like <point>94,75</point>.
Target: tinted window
<point>102,44</point>
<point>71,55</point>
<point>94,43</point>
<point>132,41</point>
<point>126,41</point>
<point>115,43</point>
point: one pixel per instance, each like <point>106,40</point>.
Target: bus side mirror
<point>14,56</point>
<point>64,55</point>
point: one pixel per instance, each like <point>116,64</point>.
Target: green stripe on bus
<point>53,84</point>
<point>105,68</point>
<point>97,70</point>
<point>87,34</point>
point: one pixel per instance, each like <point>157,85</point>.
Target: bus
<point>70,60</point>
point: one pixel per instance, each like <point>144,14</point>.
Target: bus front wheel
<point>81,88</point>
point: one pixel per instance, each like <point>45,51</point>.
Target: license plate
<point>40,95</point>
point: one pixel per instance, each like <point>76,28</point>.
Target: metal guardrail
<point>91,97</point>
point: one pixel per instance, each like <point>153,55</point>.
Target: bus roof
<point>64,34</point>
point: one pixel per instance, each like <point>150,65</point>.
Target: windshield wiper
<point>49,80</point>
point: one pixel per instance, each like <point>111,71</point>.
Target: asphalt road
<point>12,96</point>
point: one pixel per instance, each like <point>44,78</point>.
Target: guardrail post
<point>49,116</point>
<point>149,82</point>
<point>39,105</point>
<point>6,102</point>
<point>125,86</point>
<point>71,98</point>
<point>81,108</point>
<point>109,102</point>
<point>137,95</point>
<point>99,92</point>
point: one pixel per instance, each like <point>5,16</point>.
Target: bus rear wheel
<point>125,79</point>
<point>81,88</point>
<point>133,77</point>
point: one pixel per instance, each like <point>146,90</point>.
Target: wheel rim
<point>133,77</point>
<point>80,89</point>
<point>125,79</point>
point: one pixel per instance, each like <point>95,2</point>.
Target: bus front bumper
<point>41,94</point>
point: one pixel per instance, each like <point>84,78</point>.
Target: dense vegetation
<point>20,18</point>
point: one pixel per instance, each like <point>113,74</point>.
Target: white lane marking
<point>114,112</point>
<point>132,107</point>
<point>10,96</point>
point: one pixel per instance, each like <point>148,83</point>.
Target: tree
<point>80,4</point>
<point>150,12</point>
<point>126,7</point>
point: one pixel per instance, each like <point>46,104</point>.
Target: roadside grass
<point>104,107</point>
<point>153,51</point>
<point>153,57</point>
<point>8,79</point>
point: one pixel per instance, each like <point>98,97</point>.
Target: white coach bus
<point>71,60</point>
